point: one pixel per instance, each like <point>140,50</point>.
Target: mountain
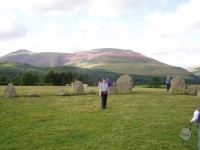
<point>195,70</point>
<point>108,59</point>
<point>36,59</point>
<point>13,68</point>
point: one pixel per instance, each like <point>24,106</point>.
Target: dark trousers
<point>104,100</point>
<point>198,126</point>
<point>168,86</point>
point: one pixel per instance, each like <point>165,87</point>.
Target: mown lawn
<point>147,119</point>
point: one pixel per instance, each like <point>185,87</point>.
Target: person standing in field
<point>108,82</point>
<point>103,92</point>
<point>168,82</point>
<point>196,118</point>
<point>99,83</point>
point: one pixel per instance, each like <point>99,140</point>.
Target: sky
<point>166,30</point>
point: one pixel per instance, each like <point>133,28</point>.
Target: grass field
<point>146,119</point>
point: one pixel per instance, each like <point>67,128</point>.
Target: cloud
<point>90,26</point>
<point>49,7</point>
<point>95,8</point>
<point>54,28</point>
<point>174,35</point>
<point>183,57</point>
<point>7,5</point>
<point>110,8</point>
<point>117,27</point>
<point>11,27</point>
<point>174,23</point>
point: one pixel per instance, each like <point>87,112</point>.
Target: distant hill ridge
<point>20,51</point>
<point>108,59</point>
<point>195,70</point>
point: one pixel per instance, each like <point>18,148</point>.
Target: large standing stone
<point>112,90</point>
<point>124,84</point>
<point>192,90</point>
<point>10,91</point>
<point>178,85</point>
<point>78,87</point>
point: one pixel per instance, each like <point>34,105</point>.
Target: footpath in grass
<point>147,119</point>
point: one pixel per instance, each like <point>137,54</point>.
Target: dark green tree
<point>52,78</point>
<point>29,78</point>
<point>155,82</point>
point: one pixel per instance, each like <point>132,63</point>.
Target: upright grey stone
<point>192,90</point>
<point>124,84</point>
<point>78,87</point>
<point>112,90</point>
<point>198,93</point>
<point>178,85</point>
<point>10,91</point>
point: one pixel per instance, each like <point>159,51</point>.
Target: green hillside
<point>11,69</point>
<point>108,59</point>
<point>124,62</point>
<point>195,70</point>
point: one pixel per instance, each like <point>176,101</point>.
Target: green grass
<point>147,119</point>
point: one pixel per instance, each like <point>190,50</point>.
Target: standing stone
<point>124,84</point>
<point>62,92</point>
<point>78,87</point>
<point>178,85</point>
<point>192,90</point>
<point>198,93</point>
<point>10,91</point>
<point>112,90</point>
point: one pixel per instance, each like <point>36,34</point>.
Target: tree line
<point>89,77</point>
<point>51,78</point>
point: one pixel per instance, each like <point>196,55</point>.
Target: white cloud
<point>110,8</point>
<point>96,8</point>
<point>42,7</point>
<point>181,57</point>
<point>117,27</point>
<point>54,28</point>
<point>173,23</point>
<point>90,26</point>
<point>172,36</point>
<point>11,27</point>
<point>7,5</point>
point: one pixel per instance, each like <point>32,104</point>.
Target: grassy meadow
<point>146,119</point>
